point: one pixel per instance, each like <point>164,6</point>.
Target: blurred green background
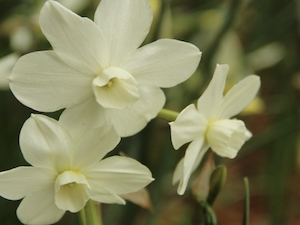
<point>253,37</point>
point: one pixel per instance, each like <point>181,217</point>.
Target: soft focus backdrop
<point>253,37</point>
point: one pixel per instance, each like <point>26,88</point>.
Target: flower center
<point>208,127</point>
<point>109,84</point>
<point>71,184</point>
<point>71,191</point>
<point>115,88</point>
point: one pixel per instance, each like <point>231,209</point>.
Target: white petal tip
<point>222,66</point>
<point>181,188</point>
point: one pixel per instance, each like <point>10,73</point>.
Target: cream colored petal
<point>191,161</point>
<point>104,196</point>
<point>125,25</point>
<point>189,125</point>
<point>72,191</point>
<point>41,81</point>
<point>226,137</point>
<point>45,143</point>
<point>164,63</point>
<point>6,65</point>
<point>178,173</point>
<point>93,146</point>
<point>248,134</point>
<point>239,97</point>
<point>119,175</point>
<point>81,118</point>
<point>115,88</point>
<point>211,100</point>
<point>39,208</point>
<point>133,119</point>
<point>18,182</point>
<point>77,41</point>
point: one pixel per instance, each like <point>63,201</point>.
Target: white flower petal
<point>191,161</point>
<point>124,24</point>
<point>45,143</point>
<point>18,182</point>
<point>93,146</point>
<point>210,101</point>
<point>178,173</point>
<point>81,118</point>
<point>248,134</point>
<point>164,63</point>
<point>103,196</point>
<point>226,137</point>
<point>77,41</point>
<point>43,82</point>
<point>189,125</point>
<point>130,121</point>
<point>115,88</point>
<point>89,114</point>
<point>39,208</point>
<point>239,96</point>
<point>6,65</point>
<point>72,191</point>
<point>119,175</point>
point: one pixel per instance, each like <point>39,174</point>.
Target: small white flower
<point>66,173</point>
<point>96,70</point>
<point>210,125</point>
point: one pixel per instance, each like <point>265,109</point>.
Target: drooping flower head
<point>66,173</point>
<point>96,70</point>
<point>209,125</point>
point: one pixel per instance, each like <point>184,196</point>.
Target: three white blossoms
<point>110,88</point>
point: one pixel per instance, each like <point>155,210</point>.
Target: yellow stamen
<point>71,184</point>
<point>110,83</point>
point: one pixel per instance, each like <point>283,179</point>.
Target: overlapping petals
<point>119,175</point>
<point>98,65</point>
<point>39,80</point>
<point>78,41</point>
<point>67,172</point>
<point>125,24</point>
<point>189,125</point>
<point>163,63</point>
<point>210,125</point>
<point>115,88</point>
<point>39,207</point>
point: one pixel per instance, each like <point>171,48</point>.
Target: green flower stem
<point>247,202</point>
<point>210,216</point>
<point>82,217</point>
<point>90,214</point>
<point>168,115</point>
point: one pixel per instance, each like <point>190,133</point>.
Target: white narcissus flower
<point>96,70</point>
<point>66,173</point>
<point>209,125</point>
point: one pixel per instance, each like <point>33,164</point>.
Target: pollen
<point>110,83</point>
<point>71,184</point>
